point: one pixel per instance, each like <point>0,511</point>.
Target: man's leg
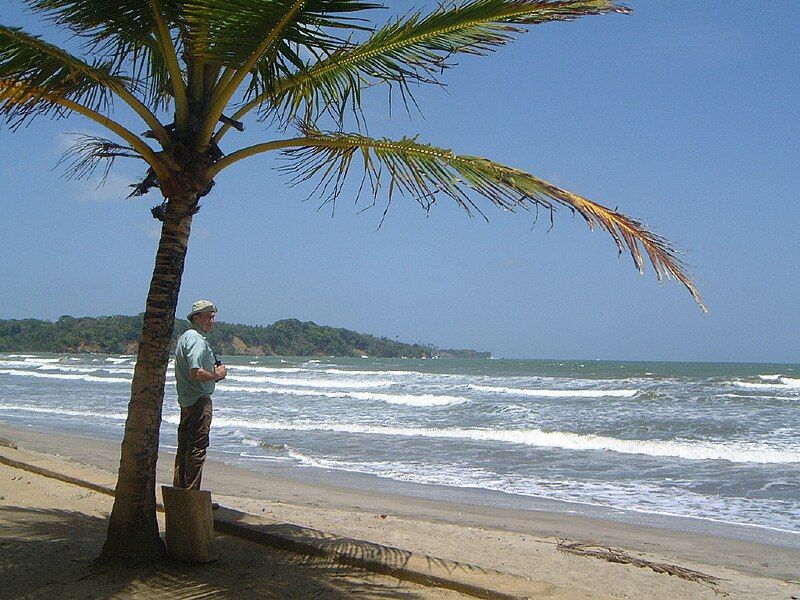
<point>199,427</point>
<point>178,479</point>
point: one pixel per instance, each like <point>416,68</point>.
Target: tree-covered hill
<point>119,334</point>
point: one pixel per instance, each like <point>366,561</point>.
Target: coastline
<point>517,541</point>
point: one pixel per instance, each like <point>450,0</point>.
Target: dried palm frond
<point>425,172</point>
<point>615,555</point>
<point>83,157</point>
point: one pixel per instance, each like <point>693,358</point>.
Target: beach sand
<point>50,531</point>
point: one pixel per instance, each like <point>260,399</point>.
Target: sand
<point>50,531</point>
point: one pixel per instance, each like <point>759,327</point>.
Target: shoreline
<point>496,499</point>
<point>472,496</point>
<point>506,539</point>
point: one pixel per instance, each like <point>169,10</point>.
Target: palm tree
<point>182,66</point>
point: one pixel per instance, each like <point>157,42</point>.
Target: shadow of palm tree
<point>317,545</point>
<point>50,554</point>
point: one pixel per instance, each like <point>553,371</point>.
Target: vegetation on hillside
<point>289,337</point>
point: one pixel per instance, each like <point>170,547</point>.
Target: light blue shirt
<point>193,352</point>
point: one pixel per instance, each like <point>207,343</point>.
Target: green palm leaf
<point>416,49</point>
<point>35,74</point>
<point>120,31</point>
<point>231,31</point>
<point>262,39</point>
<point>426,172</point>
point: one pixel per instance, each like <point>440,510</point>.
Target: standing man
<point>196,372</point>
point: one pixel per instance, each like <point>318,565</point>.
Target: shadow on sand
<point>50,554</point>
<point>377,558</point>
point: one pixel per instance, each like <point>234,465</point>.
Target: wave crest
<point>594,393</point>
<point>737,453</point>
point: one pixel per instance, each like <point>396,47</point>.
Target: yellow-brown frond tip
<point>610,6</point>
<point>627,233</point>
<point>633,235</point>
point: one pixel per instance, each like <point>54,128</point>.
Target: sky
<point>683,115</point>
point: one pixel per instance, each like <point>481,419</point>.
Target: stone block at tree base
<point>189,524</point>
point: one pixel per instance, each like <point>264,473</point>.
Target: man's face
<point>205,321</point>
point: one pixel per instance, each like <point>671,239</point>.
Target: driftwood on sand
<point>619,556</point>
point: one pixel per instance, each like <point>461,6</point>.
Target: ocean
<point>714,445</point>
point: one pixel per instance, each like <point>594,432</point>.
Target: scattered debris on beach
<point>619,556</point>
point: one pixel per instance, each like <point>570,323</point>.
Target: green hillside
<point>120,335</point>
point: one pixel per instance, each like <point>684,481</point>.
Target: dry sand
<point>50,531</point>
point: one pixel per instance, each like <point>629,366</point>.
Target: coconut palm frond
<point>27,63</point>
<point>256,38</point>
<point>426,173</point>
<point>106,23</point>
<point>230,33</point>
<point>119,31</point>
<point>152,76</point>
<point>417,48</point>
<point>88,152</point>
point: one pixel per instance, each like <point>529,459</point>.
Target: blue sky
<point>683,115</point>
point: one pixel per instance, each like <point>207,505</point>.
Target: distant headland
<point>119,334</point>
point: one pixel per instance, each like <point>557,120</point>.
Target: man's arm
<point>220,371</point>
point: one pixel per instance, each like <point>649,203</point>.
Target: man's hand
<point>220,371</point>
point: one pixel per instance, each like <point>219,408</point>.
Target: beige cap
<point>201,306</point>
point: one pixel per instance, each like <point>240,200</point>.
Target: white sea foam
<point>639,497</point>
<point>594,393</point>
<point>67,369</point>
<point>738,453</point>
<point>41,375</point>
<point>225,387</point>
<point>786,384</point>
<point>388,372</point>
<point>118,361</point>
<point>63,411</point>
<point>411,399</point>
<point>769,377</point>
<point>408,399</point>
<point>117,371</point>
<point>513,408</point>
<point>41,361</point>
<point>262,444</point>
<point>277,370</point>
<point>313,383</point>
<point>18,363</point>
<point>758,397</point>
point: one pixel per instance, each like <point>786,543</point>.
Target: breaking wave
<point>737,453</point>
<point>625,393</point>
<point>313,383</point>
<point>41,375</point>
<point>408,399</point>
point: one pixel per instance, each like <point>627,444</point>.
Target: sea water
<point>715,443</point>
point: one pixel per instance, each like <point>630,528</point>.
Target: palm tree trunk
<point>133,529</point>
